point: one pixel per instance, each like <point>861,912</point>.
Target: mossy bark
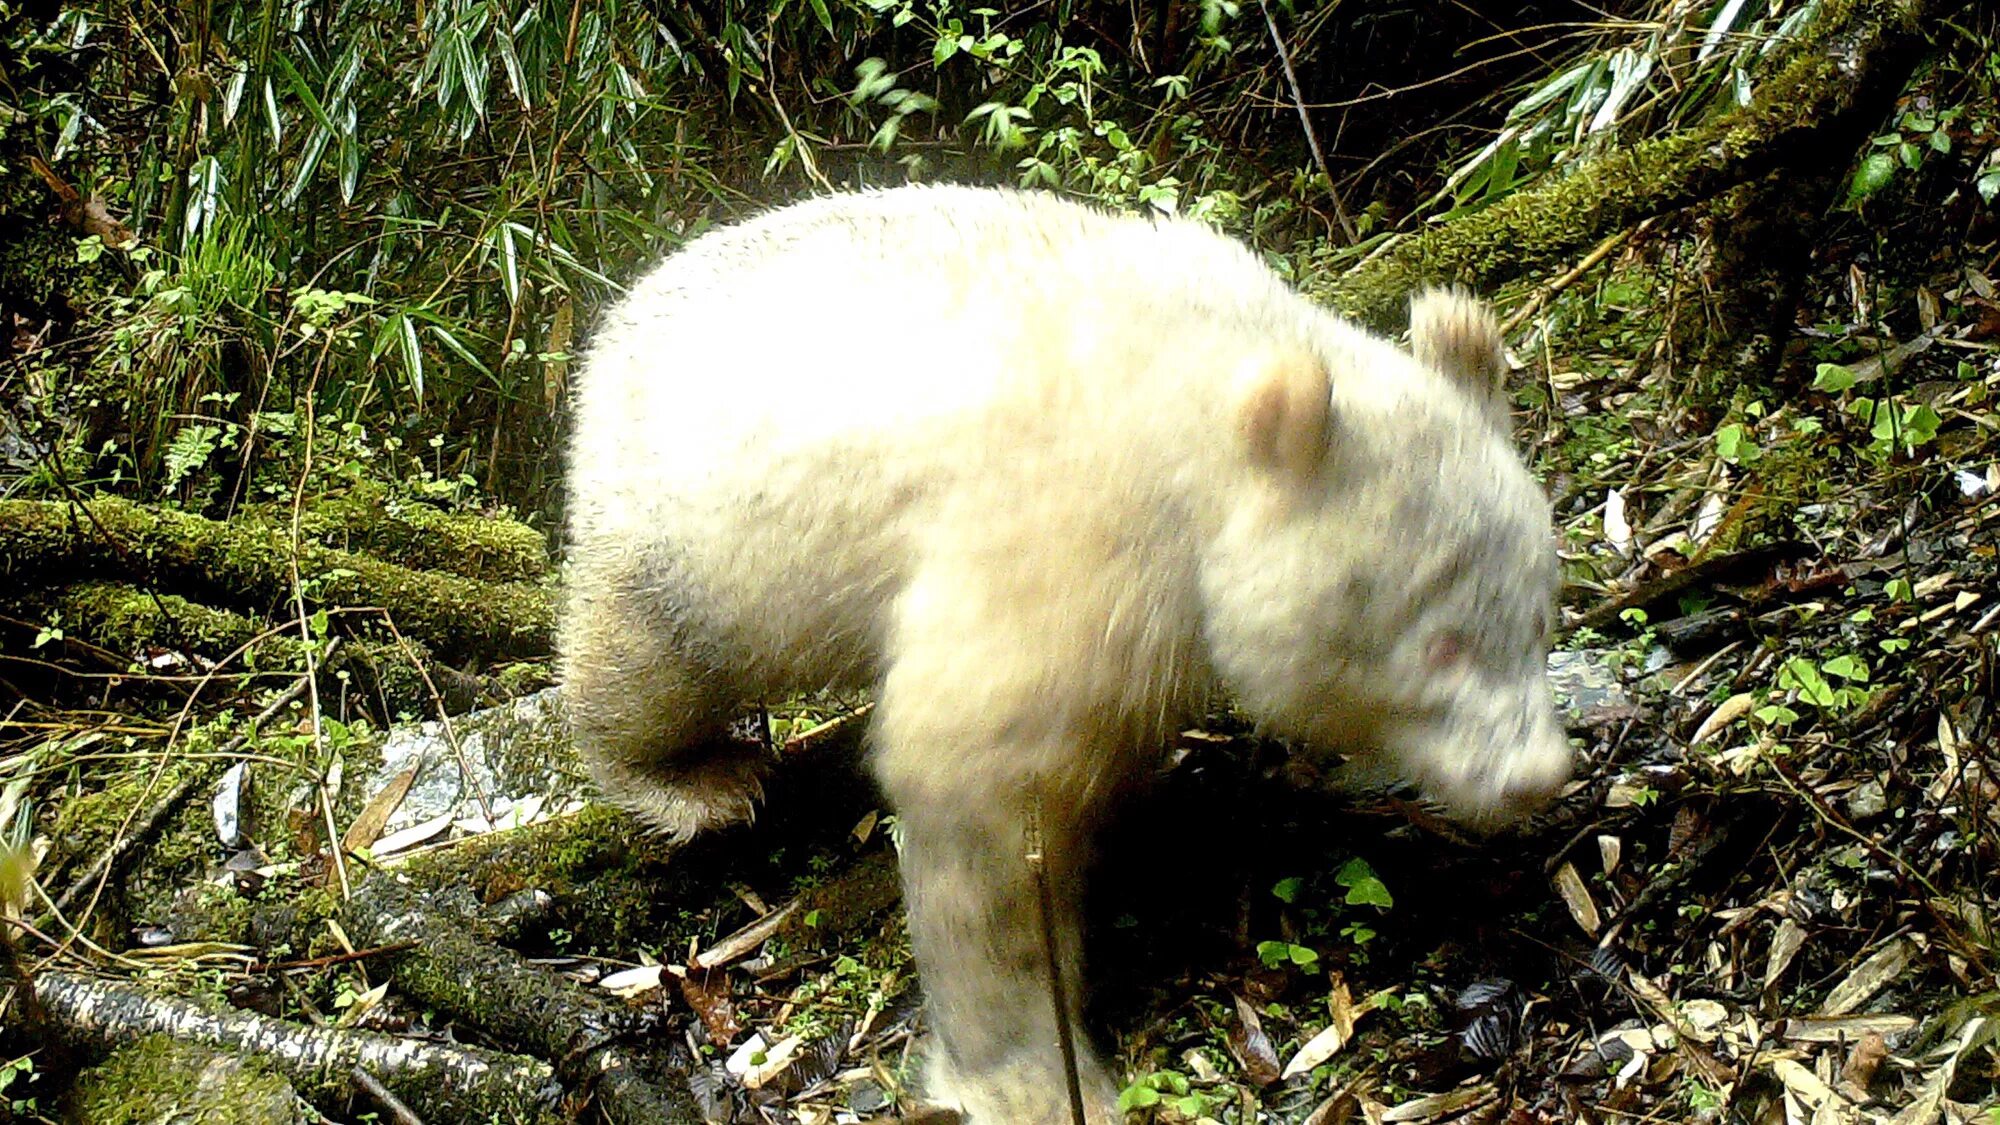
<point>444,1082</point>
<point>128,622</point>
<point>1854,51</point>
<point>48,543</point>
<point>160,1079</point>
<point>449,969</point>
<point>366,519</point>
<point>1763,235</point>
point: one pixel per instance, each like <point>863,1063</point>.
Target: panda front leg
<point>977,911</point>
<point>996,797</point>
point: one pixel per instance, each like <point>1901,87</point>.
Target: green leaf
<point>872,79</point>
<point>1833,378</point>
<point>1287,890</point>
<point>1847,668</point>
<point>1874,174</point>
<point>1363,888</point>
<point>1138,1096</point>
<point>1801,676</point>
<point>1920,425</point>
<point>349,157</point>
<point>1734,445</point>
<point>302,91</point>
<point>1776,715</point>
<point>1273,953</point>
<point>188,451</point>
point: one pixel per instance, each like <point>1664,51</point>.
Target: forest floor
<point>238,882</point>
<point>1767,896</point>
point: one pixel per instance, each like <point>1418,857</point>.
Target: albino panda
<point>1047,479</point>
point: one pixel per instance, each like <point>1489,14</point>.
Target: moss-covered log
<point>448,969</point>
<point>1854,57</point>
<point>366,519</point>
<point>129,621</point>
<point>47,543</point>
<point>161,1079</point>
<point>445,1082</point>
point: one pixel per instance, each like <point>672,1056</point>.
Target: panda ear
<point>1454,333</point>
<point>1285,417</point>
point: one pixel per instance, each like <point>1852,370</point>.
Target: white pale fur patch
<point>801,409</point>
<point>1045,478</point>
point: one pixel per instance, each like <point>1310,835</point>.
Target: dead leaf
<point>227,805</point>
<point>1803,1084</point>
<point>1871,976</point>
<point>777,1060</point>
<point>746,940</point>
<point>1617,528</point>
<point>1929,1102</point>
<point>1317,1050</point>
<point>1252,1047</point>
<point>363,1004</point>
<point>708,995</point>
<point>1576,896</point>
<point>1844,1029</point>
<point>367,827</point>
<point>412,836</point>
<point>1332,1111</point>
<point>1785,945</point>
<point>87,215</point>
<point>629,983</point>
<point>1702,1019</point>
<point>95,218</point>
<point>1863,1061</point>
<point>1447,1104</point>
<point>1725,713</point>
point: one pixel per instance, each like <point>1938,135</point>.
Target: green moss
<point>92,821</point>
<point>158,1079</point>
<point>367,519</point>
<point>511,681</point>
<point>598,863</point>
<point>164,883</point>
<point>129,621</point>
<point>1544,226</point>
<point>230,564</point>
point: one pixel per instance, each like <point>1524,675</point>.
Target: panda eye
<point>1449,649</point>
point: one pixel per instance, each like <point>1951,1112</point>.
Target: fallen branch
<point>50,543</point>
<point>1855,56</point>
<point>1590,261</point>
<point>444,1081</point>
<point>135,834</point>
<point>367,520</point>
<point>124,621</point>
<point>446,967</point>
<point>399,1114</point>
